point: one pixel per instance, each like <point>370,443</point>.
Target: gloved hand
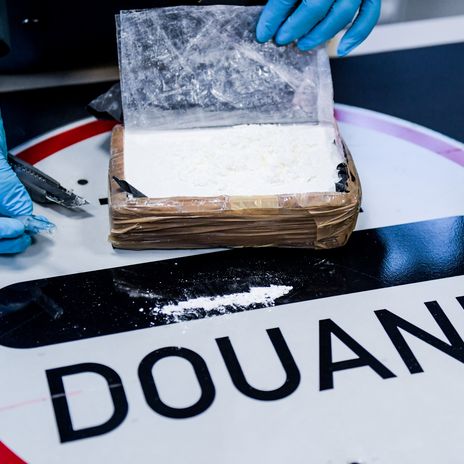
<point>14,202</point>
<point>314,22</point>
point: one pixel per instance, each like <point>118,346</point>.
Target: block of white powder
<point>232,143</point>
<point>244,160</point>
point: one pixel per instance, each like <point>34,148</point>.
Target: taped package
<point>224,138</point>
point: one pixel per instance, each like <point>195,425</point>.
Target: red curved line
<point>58,142</point>
<point>8,457</point>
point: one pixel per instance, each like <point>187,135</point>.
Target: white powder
<point>147,294</point>
<point>256,296</point>
<point>239,160</point>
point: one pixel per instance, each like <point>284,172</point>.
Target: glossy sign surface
<point>92,304</point>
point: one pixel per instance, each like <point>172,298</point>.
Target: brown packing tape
<point>303,220</point>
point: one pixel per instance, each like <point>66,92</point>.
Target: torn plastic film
<point>199,67</point>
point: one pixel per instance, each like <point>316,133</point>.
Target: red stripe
<point>61,141</point>
<point>8,457</point>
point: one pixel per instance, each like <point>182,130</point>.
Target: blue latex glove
<point>14,202</point>
<point>314,22</point>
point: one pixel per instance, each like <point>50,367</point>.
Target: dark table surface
<point>423,86</point>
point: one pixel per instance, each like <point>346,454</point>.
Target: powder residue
<point>262,296</point>
<point>244,160</point>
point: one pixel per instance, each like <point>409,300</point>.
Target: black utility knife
<point>42,188</point>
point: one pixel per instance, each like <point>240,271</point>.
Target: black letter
<point>460,300</point>
<point>392,323</point>
<point>150,391</point>
<point>327,367</point>
<point>60,404</point>
<point>238,378</point>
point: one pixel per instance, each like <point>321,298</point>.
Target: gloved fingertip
<point>261,33</point>
<point>15,246</point>
<point>24,243</point>
<point>265,29</point>
<point>307,45</point>
<point>262,36</point>
<point>344,48</point>
<point>41,218</point>
<point>37,224</point>
<point>11,228</point>
<point>283,37</point>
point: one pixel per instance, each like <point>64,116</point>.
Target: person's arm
<point>14,202</point>
<point>314,22</point>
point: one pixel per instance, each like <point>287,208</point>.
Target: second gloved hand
<point>14,203</point>
<point>13,236</point>
<point>314,22</point>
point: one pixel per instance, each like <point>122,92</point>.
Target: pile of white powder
<point>263,296</point>
<point>239,160</point>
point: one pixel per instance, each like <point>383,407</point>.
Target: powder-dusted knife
<point>42,188</point>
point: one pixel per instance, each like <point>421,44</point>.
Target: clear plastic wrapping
<point>197,67</point>
<point>185,67</point>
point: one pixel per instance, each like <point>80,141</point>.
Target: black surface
<point>55,34</point>
<point>4,30</point>
<point>103,302</point>
<point>32,113</point>
<point>422,85</point>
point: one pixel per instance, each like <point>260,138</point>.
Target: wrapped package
<point>200,68</point>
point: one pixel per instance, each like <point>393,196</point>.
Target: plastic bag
<point>188,67</point>
<point>197,67</point>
